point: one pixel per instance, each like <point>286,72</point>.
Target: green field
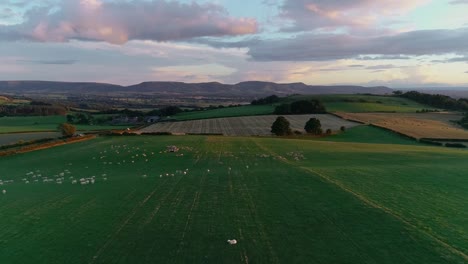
<point>42,123</point>
<point>285,201</point>
<point>364,103</point>
<point>333,103</point>
<point>371,134</point>
<point>246,110</point>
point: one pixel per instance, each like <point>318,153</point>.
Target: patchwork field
<point>125,200</point>
<point>431,125</point>
<point>244,126</point>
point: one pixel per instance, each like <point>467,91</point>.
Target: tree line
<point>436,100</point>
<point>32,110</point>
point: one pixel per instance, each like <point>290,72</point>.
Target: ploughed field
<point>427,125</point>
<point>244,126</point>
<point>127,200</point>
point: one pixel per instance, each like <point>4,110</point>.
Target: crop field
<point>364,103</point>
<point>245,110</point>
<point>127,200</point>
<point>7,139</point>
<point>432,125</point>
<point>333,103</point>
<point>42,123</point>
<point>370,134</point>
<point>244,126</point>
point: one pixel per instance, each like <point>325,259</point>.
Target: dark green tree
<point>281,127</point>
<point>313,126</point>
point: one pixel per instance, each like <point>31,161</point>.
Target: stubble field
<point>244,126</point>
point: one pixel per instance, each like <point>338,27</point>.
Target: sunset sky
<point>411,43</point>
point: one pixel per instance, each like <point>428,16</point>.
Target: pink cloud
<point>330,14</point>
<point>119,22</point>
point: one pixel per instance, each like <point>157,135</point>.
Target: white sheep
<point>232,241</point>
<point>4,191</point>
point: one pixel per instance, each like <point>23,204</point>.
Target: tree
<point>342,128</point>
<point>281,127</point>
<point>328,132</point>
<point>313,126</point>
<point>67,130</point>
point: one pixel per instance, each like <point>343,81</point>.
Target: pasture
<point>245,110</point>
<point>357,103</point>
<point>430,125</point>
<point>43,123</point>
<point>333,103</point>
<point>126,200</point>
<point>244,126</point>
<point>8,139</point>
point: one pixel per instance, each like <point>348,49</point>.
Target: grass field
<point>42,123</point>
<point>8,139</point>
<point>431,125</point>
<point>333,103</point>
<point>246,110</point>
<point>244,126</point>
<point>370,134</point>
<point>364,103</point>
<point>285,201</point>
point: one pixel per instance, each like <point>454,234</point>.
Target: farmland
<point>42,123</point>
<point>243,126</point>
<point>364,103</point>
<point>246,110</point>
<point>333,103</point>
<point>298,201</point>
<point>7,139</point>
<point>431,125</point>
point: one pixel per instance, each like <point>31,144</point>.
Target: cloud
<point>328,14</point>
<point>322,47</point>
<point>356,66</point>
<point>121,21</point>
<point>384,57</point>
<point>7,12</point>
<point>382,67</point>
<point>457,2</point>
<point>50,62</point>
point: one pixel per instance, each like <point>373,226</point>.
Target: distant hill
<point>210,89</point>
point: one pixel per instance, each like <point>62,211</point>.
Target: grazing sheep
<point>4,191</point>
<point>232,241</point>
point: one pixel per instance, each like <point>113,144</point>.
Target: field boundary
<point>45,146</point>
<point>388,211</point>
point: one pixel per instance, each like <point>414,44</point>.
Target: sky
<point>399,44</point>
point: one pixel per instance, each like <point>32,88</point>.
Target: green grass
<point>333,103</point>
<point>42,123</point>
<point>246,110</point>
<point>343,203</point>
<point>371,134</point>
<point>364,103</point>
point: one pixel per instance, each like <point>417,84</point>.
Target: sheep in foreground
<point>232,241</point>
